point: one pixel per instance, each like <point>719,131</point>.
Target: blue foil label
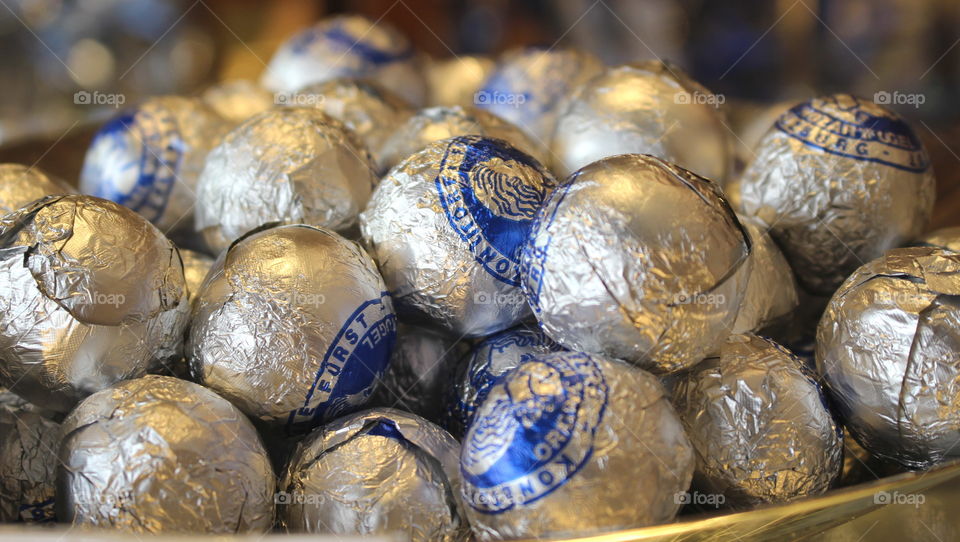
<point>358,355</point>
<point>534,434</point>
<point>841,125</point>
<point>339,38</point>
<point>490,194</point>
<point>537,247</point>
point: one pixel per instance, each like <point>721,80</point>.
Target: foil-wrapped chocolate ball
<point>456,80</point>
<point>529,87</point>
<point>163,455</point>
<point>92,294</point>
<point>838,180</point>
<point>28,461</point>
<point>489,360</point>
<point>238,100</point>
<point>946,238</point>
<point>293,325</point>
<point>645,108</point>
<point>195,269</point>
<point>612,267</point>
<point>446,227</point>
<point>570,444</point>
<point>370,111</point>
<point>887,348</point>
<point>347,46</point>
<point>418,377</point>
<point>149,158</point>
<point>437,123</point>
<point>759,424</point>
<point>21,185</point>
<point>287,165</point>
<point>771,294</point>
<point>376,472</point>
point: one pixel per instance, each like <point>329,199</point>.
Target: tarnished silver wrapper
<point>91,294</point>
<point>370,111</point>
<point>378,471</point>
<point>238,100</point>
<point>423,364</point>
<point>489,360</point>
<point>529,87</point>
<point>348,46</point>
<point>572,444</point>
<point>290,165</point>
<point>195,269</point>
<point>947,238</point>
<point>162,455</point>
<point>838,180</point>
<point>28,461</point>
<point>446,227</point>
<point>149,158</point>
<point>437,123</point>
<point>455,81</point>
<point>644,108</point>
<point>759,424</point>
<point>639,260</point>
<point>22,185</point>
<point>887,348</point>
<point>293,325</point>
<point>771,294</point>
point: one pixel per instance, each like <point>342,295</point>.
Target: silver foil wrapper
<point>946,238</point>
<point>348,46</point>
<point>290,165</point>
<point>489,360</point>
<point>771,294</point>
<point>423,364</point>
<point>838,180</point>
<point>437,123</point>
<point>446,227</point>
<point>639,260</point>
<point>195,269</point>
<point>887,349</point>
<point>92,294</point>
<point>530,87</point>
<point>759,424</point>
<point>378,471</point>
<point>645,108</point>
<point>238,100</point>
<point>22,185</point>
<point>163,455</point>
<point>293,325</point>
<point>455,81</point>
<point>28,461</point>
<point>370,111</point>
<point>573,444</point>
<point>150,157</point>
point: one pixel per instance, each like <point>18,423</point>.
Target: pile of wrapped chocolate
<point>528,297</point>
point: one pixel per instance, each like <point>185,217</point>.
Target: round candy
<point>639,260</point>
<point>21,185</point>
<point>490,359</point>
<point>28,461</point>
<point>446,227</point>
<point>436,123</point>
<point>347,46</point>
<point>569,444</point>
<point>287,165</point>
<point>238,100</point>
<point>376,472</point>
<point>149,158</point>
<point>759,424</point>
<point>456,80</point>
<point>946,238</point>
<point>771,294</point>
<point>92,294</point>
<point>293,325</point>
<point>163,455</point>
<point>529,87</point>
<point>646,108</point>
<point>838,180</point>
<point>888,348</point>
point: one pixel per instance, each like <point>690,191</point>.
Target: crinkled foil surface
<point>195,269</point>
<point>28,461</point>
<point>238,100</point>
<point>21,185</point>
<point>163,455</point>
<point>455,81</point>
<point>93,294</point>
<point>639,260</point>
<point>771,294</point>
<point>888,348</point>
